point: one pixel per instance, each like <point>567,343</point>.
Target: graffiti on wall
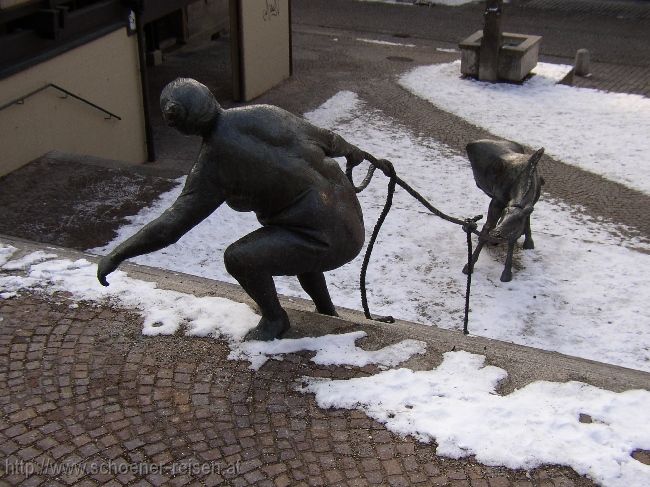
<point>272,9</point>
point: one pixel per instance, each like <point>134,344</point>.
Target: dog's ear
<point>535,158</point>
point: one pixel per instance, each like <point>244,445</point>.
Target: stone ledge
<point>523,364</point>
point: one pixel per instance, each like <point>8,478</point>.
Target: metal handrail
<point>21,100</point>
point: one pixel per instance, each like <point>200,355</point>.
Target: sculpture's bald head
<point>189,106</point>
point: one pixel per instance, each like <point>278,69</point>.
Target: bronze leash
<point>469,226</point>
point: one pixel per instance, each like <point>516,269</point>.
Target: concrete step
<point>523,364</point>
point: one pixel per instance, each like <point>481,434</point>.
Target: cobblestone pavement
<point>82,386</point>
<point>69,204</point>
<point>616,77</point>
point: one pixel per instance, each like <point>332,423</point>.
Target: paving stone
<point>499,482</point>
<point>304,447</point>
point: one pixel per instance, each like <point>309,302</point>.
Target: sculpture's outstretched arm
<point>199,198</point>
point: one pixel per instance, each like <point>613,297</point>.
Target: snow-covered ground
<point>455,404</point>
<point>169,312</point>
<point>582,291</point>
<point>604,133</point>
<point>383,43</point>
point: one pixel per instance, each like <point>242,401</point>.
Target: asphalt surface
<point>615,31</point>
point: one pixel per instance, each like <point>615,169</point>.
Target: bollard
<point>581,65</point>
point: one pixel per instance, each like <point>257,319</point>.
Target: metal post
<point>491,42</point>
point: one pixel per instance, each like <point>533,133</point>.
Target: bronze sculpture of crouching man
<point>264,159</point>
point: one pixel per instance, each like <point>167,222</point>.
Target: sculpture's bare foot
<point>268,330</point>
<point>506,275</point>
<point>528,244</point>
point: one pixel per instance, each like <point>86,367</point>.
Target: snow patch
<point>604,133</point>
<point>384,43</point>
<point>457,405</point>
<point>6,251</point>
<point>165,312</point>
<point>28,260</point>
<point>330,350</point>
<point>340,108</point>
<point>168,312</point>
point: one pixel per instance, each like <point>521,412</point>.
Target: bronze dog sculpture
<point>510,177</point>
<point>263,159</point>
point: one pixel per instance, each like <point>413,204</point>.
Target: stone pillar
<point>581,65</point>
<point>490,42</point>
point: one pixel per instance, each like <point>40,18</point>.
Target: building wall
<point>11,3</point>
<point>264,44</point>
<point>104,71</point>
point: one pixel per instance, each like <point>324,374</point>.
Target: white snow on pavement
<point>330,350</point>
<point>580,292</point>
<point>456,404</point>
<point>604,133</point>
<point>165,312</point>
<point>384,43</point>
<point>6,251</point>
<point>28,260</point>
<point>169,312</point>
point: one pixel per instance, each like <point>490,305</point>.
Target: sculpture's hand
<point>354,157</point>
<point>386,167</point>
<point>107,265</point>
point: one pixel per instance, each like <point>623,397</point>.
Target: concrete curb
<point>523,364</point>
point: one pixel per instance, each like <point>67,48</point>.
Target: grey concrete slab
<point>523,364</point>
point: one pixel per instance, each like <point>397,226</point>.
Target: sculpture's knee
<point>237,262</point>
